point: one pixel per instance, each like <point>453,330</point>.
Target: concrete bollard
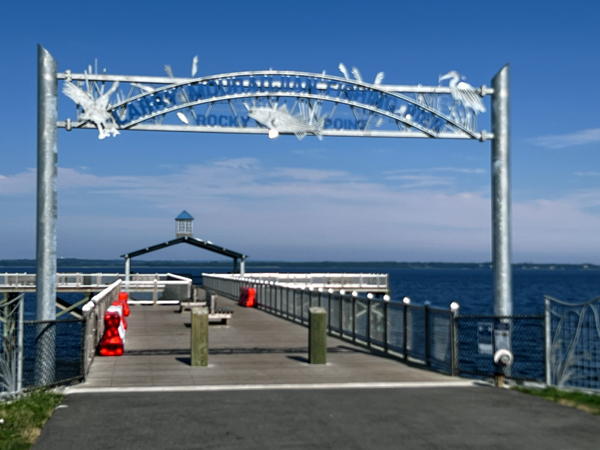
<point>317,335</point>
<point>199,344</point>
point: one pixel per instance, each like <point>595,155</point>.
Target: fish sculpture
<point>280,120</point>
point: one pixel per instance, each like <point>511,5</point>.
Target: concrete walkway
<point>260,393</point>
<point>256,348</point>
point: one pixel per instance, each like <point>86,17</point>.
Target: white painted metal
<point>337,281</point>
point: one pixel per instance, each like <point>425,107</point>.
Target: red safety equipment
<point>121,309</point>
<point>123,296</point>
<point>113,339</point>
<point>247,297</point>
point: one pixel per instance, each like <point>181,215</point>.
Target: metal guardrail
<point>362,282</point>
<point>572,344</point>
<point>93,313</point>
<point>26,282</point>
<point>421,334</point>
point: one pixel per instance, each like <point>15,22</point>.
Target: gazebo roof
<point>184,216</point>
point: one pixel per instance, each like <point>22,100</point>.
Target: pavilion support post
<point>242,267</point>
<point>47,155</point>
<point>127,273</point>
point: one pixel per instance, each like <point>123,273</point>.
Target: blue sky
<point>337,199</point>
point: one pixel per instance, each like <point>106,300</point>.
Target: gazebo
<point>184,234</point>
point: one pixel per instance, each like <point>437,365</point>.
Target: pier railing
<point>360,282</point>
<point>421,334</point>
<point>93,313</point>
<point>152,284</point>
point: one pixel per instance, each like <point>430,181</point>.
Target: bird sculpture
<point>357,76</point>
<point>94,109</point>
<point>463,92</point>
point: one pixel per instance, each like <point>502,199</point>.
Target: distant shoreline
<point>87,263</point>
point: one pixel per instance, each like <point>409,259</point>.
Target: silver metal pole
<point>127,273</point>
<point>20,351</point>
<point>548,341</point>
<point>242,267</point>
<point>47,155</point>
<point>501,222</point>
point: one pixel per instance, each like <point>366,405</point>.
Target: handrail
<point>93,312</point>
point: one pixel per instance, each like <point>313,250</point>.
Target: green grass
<point>24,419</point>
<point>585,402</point>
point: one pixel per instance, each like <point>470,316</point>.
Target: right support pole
<point>501,216</point>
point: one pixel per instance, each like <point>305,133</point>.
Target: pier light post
<point>47,155</point>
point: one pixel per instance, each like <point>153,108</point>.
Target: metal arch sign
<point>271,102</point>
<point>276,102</point>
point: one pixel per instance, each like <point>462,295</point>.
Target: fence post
<point>427,332</point>
<point>454,308</point>
<point>20,350</point>
<point>353,299</point>
<point>329,291</point>
<point>386,299</point>
<point>317,340</point>
<point>155,290</point>
<point>199,337</point>
<point>405,303</point>
<point>342,295</point>
<point>548,340</point>
<point>368,303</point>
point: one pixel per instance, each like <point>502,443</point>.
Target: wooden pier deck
<point>256,348</point>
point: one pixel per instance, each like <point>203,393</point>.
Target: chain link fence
<point>53,352</point>
<point>475,342</point>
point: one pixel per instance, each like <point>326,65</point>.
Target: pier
<point>257,349</point>
<point>259,392</point>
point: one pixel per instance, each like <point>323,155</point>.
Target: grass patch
<point>25,417</point>
<point>586,402</point>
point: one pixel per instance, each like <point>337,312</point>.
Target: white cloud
<point>569,140</point>
<point>296,213</point>
<point>587,174</point>
<point>428,178</point>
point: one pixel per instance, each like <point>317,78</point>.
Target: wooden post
<point>317,335</point>
<point>199,353</point>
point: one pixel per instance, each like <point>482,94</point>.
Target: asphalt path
<point>391,418</point>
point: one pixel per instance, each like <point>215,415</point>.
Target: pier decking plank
<point>255,348</point>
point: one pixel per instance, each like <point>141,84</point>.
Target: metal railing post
<point>385,327</point>
<point>405,327</point>
<point>368,303</point>
<point>426,313</point>
<point>20,350</point>
<point>454,309</point>
<point>548,341</point>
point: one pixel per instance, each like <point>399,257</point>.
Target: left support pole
<point>47,155</point>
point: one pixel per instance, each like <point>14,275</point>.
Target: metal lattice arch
<point>270,102</point>
<point>349,107</point>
